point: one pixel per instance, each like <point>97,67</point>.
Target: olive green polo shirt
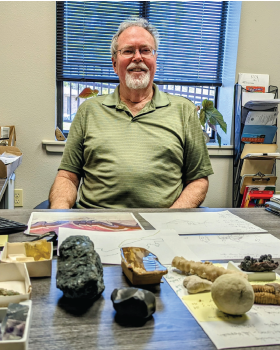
<point>135,162</point>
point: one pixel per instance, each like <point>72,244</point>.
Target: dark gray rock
<point>133,302</point>
<point>79,269</point>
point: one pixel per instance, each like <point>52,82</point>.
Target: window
<point>191,55</point>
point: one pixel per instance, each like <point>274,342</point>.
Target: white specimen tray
<point>253,276</point>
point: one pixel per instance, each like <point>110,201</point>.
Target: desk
<point>7,192</point>
<point>57,326</point>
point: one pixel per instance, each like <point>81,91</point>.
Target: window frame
<point>145,8</point>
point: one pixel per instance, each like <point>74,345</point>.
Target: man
<point>137,147</point>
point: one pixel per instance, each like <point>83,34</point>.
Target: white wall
<point>27,86</point>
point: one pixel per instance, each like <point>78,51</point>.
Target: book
<point>273,205</point>
<point>258,133</point>
<point>257,196</point>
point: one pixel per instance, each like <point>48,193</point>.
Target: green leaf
<point>206,104</point>
<point>202,117</point>
<point>217,119</point>
<point>212,126</point>
<point>219,140</point>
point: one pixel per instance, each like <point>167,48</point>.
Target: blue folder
<point>258,133</point>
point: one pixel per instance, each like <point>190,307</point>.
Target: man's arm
<point>193,194</point>
<point>63,193</point>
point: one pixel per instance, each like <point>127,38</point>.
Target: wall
<point>27,90</point>
<point>27,87</point>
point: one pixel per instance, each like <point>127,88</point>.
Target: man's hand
<point>63,193</point>
<point>193,194</point>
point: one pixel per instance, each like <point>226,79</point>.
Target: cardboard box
<point>21,344</point>
<point>14,277</point>
<point>7,170</point>
<point>35,268</point>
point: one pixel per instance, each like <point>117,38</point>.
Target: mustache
<point>140,65</point>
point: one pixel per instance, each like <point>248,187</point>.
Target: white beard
<point>137,83</point>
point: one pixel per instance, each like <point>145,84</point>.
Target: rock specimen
<point>5,292</point>
<point>39,250</point>
<point>267,294</point>
<point>232,294</point>
<point>141,266</point>
<point>133,302</point>
<point>203,269</point>
<point>265,263</point>
<point>195,284</point>
<point>13,324</point>
<point>79,270</point>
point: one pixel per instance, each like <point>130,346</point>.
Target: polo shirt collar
<point>160,99</point>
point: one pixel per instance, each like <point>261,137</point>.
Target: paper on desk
<point>259,326</point>
<point>194,223</point>
<point>228,247</point>
<point>43,222</point>
<point>165,244</point>
<point>3,240</point>
<point>261,118</point>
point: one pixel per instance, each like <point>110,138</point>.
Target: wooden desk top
<point>57,325</point>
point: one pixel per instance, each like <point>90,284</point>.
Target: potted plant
<point>210,116</point>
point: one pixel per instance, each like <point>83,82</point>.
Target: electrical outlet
<point>18,198</point>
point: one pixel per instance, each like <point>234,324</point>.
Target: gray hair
<point>134,22</point>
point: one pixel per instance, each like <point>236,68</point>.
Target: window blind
<point>192,39</point>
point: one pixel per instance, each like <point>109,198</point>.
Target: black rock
<point>133,302</point>
<point>79,269</point>
<point>265,263</point>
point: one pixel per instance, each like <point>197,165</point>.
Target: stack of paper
<point>261,118</point>
<point>261,104</point>
<point>273,206</point>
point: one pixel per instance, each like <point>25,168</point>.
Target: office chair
<point>43,205</point>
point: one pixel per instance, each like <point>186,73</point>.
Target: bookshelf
<point>259,166</point>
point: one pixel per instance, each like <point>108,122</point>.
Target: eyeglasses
<point>129,52</point>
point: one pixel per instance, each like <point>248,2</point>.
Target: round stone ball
<point>232,294</point>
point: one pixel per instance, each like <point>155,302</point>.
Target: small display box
<point>15,279</point>
<point>19,344</point>
<point>36,255</point>
<point>141,266</point>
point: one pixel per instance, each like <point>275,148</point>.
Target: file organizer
<point>257,169</point>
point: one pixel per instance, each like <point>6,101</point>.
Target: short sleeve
<point>72,159</point>
<point>196,158</point>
